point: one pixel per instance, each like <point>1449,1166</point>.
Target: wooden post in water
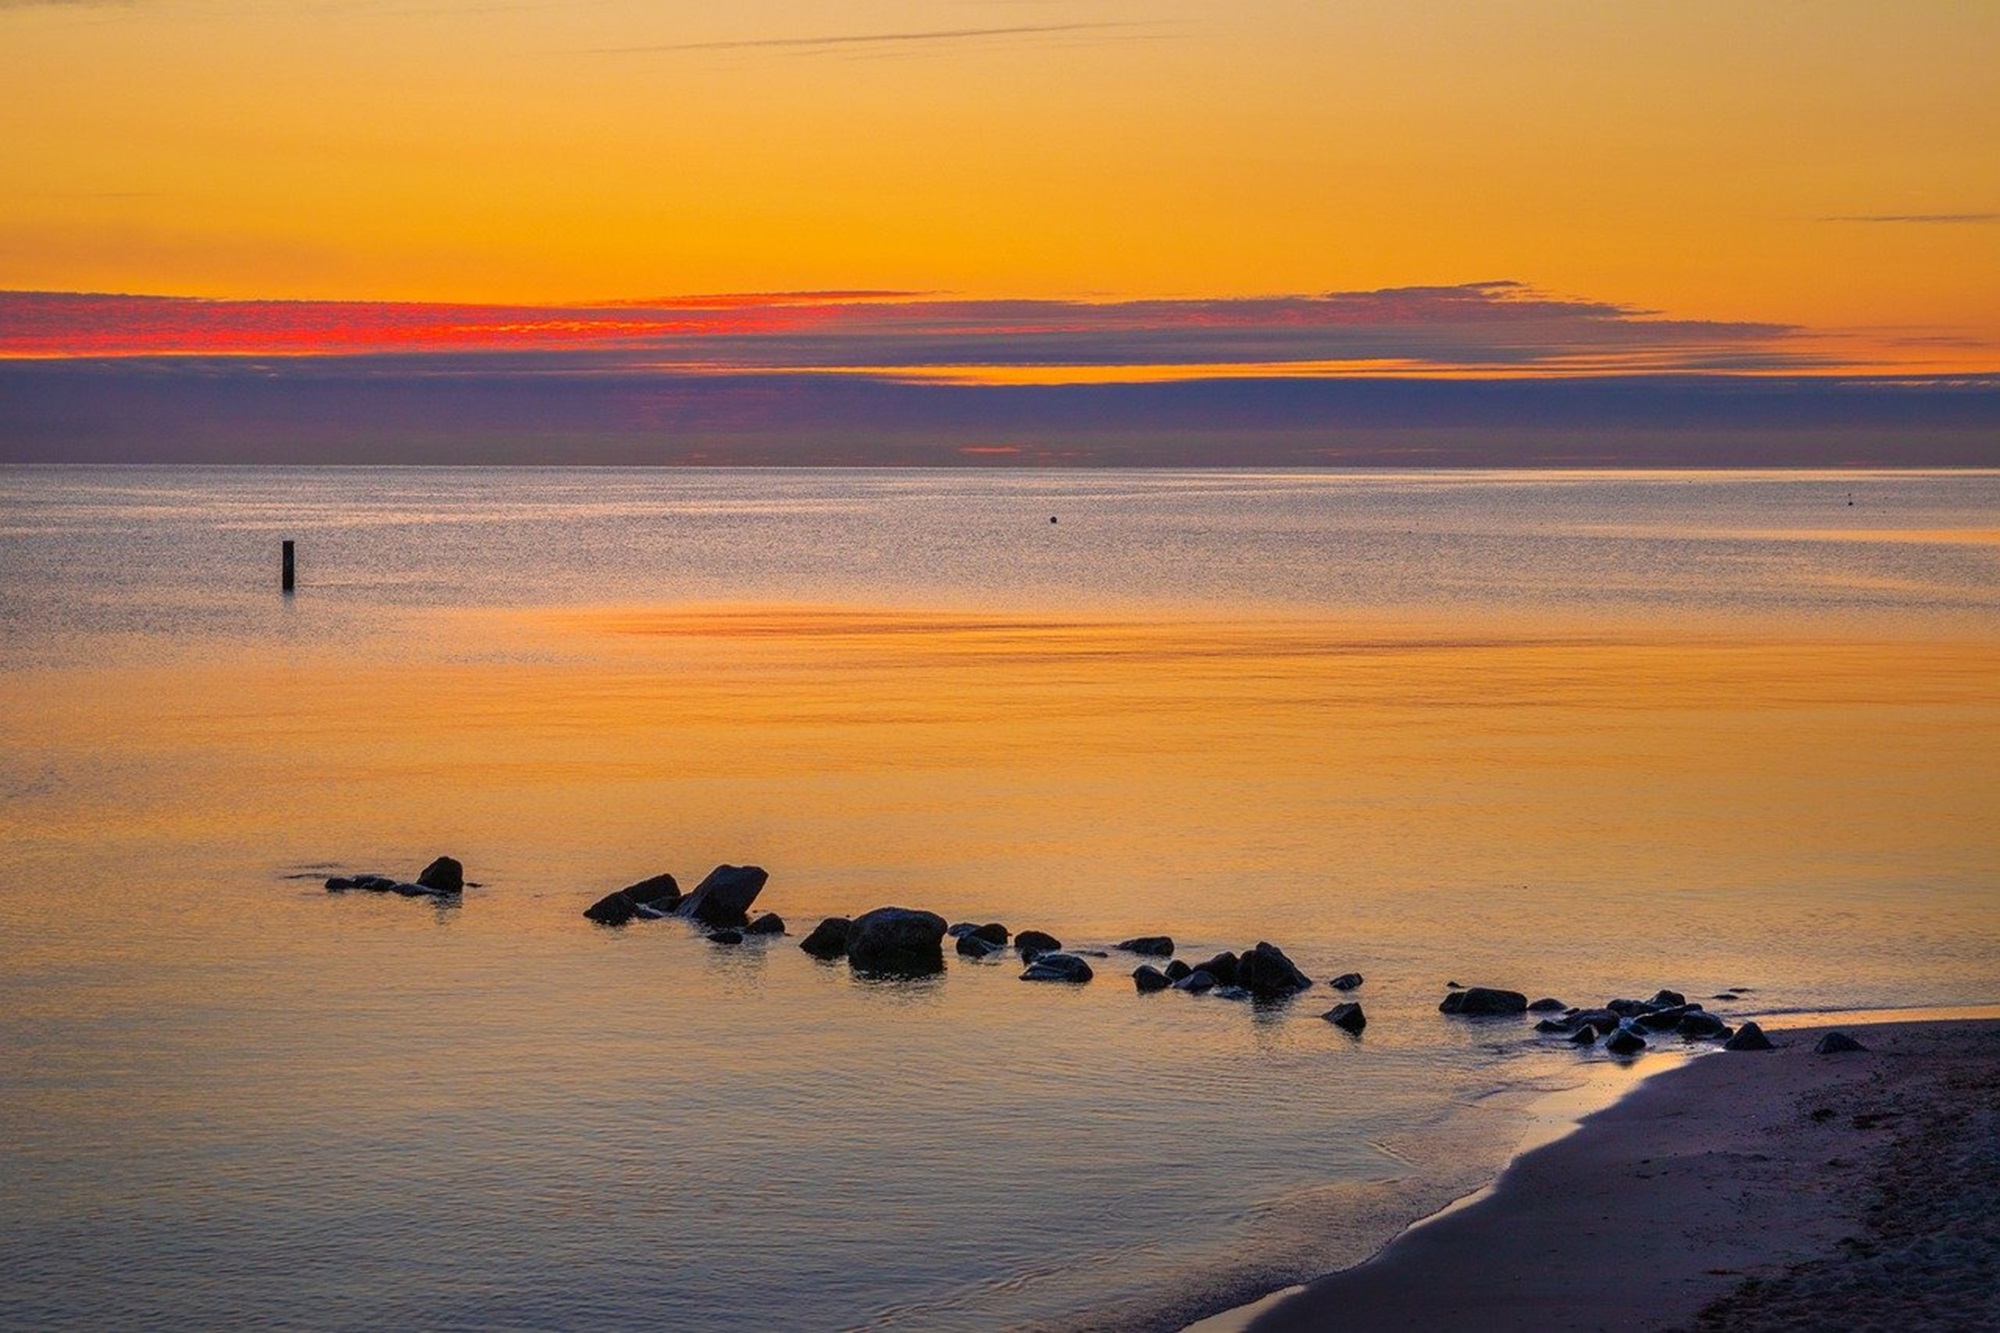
<point>287,576</point>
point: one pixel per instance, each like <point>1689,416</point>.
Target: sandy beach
<point>1776,1190</point>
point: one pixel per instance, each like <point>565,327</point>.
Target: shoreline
<point>1699,1186</point>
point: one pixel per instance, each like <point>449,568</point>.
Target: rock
<point>973,946</point>
<point>1348,1017</point>
<point>725,937</point>
<point>1057,967</point>
<point>613,909</point>
<point>443,875</point>
<point>340,884</point>
<point>1662,1020</point>
<point>1722,995</point>
<point>1346,981</point>
<point>1037,940</point>
<point>1625,1042</point>
<point>648,912</point>
<point>1546,1006</point>
<point>1668,999</point>
<point>1176,970</point>
<point>897,939</point>
<point>374,883</point>
<point>1153,946</point>
<point>1584,1036</point>
<point>1149,978</point>
<point>992,932</point>
<point>828,939</point>
<point>1453,985</point>
<point>1483,1001</point>
<point>414,890</point>
<point>1602,1019</point>
<point>1551,1025</point>
<point>659,891</point>
<point>1196,982</point>
<point>1267,974</point>
<point>768,924</point>
<point>1628,1008</point>
<point>959,929</point>
<point>1837,1043</point>
<point>1696,1025</point>
<point>724,897</point>
<point>1749,1037</point>
<point>1222,967</point>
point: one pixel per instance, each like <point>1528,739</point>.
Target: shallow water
<point>1581,734</point>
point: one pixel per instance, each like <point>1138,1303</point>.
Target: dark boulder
<point>1152,946</point>
<point>1696,1026</point>
<point>1196,982</point>
<point>1222,967</point>
<point>1057,967</point>
<point>897,939</point>
<point>725,937</point>
<point>1551,1025</point>
<point>768,924</point>
<point>974,946</point>
<point>1628,1008</point>
<point>1837,1043</point>
<point>613,909</point>
<point>443,875</point>
<point>1267,973</point>
<point>1625,1042</point>
<point>1346,981</point>
<point>1483,1001</point>
<point>1348,1017</point>
<point>340,884</point>
<point>1038,941</point>
<point>1602,1019</point>
<point>372,883</point>
<point>1584,1036</point>
<point>1149,978</point>
<point>1176,970</point>
<point>1546,1006</point>
<point>828,939</point>
<point>1749,1037</point>
<point>1668,999</point>
<point>724,897</point>
<point>992,932</point>
<point>659,891</point>
<point>1662,1020</point>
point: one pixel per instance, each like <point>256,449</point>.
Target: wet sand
<point>1773,1190</point>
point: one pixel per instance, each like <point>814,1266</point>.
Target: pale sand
<point>1774,1190</point>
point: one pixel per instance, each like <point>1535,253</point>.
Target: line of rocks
<point>1623,1025</point>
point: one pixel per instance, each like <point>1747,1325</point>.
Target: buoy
<point>1052,518</point>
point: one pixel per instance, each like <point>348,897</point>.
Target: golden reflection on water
<point>1213,769</point>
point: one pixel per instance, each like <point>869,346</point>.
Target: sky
<point>995,193</point>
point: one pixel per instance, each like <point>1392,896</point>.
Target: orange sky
<point>1710,160</point>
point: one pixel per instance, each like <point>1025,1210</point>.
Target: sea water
<point>1577,734</point>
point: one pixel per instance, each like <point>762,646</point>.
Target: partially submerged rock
<point>1222,967</point>
<point>724,897</point>
<point>1267,973</point>
<point>897,940</point>
<point>1149,978</point>
<point>1057,967</point>
<point>1547,1005</point>
<point>1347,1017</point>
<point>1584,1036</point>
<point>1152,946</point>
<point>1196,982</point>
<point>1483,1001</point>
<point>768,924</point>
<point>1625,1042</point>
<point>613,909</point>
<point>1176,970</point>
<point>1698,1026</point>
<point>444,875</point>
<point>1037,941</point>
<point>1346,981</point>
<point>828,940</point>
<point>660,891</point>
<point>975,946</point>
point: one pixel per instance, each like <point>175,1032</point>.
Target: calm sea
<point>1578,734</point>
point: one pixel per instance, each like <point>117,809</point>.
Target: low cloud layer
<point>1475,328</point>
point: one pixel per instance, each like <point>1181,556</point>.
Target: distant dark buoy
<point>1052,518</point>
